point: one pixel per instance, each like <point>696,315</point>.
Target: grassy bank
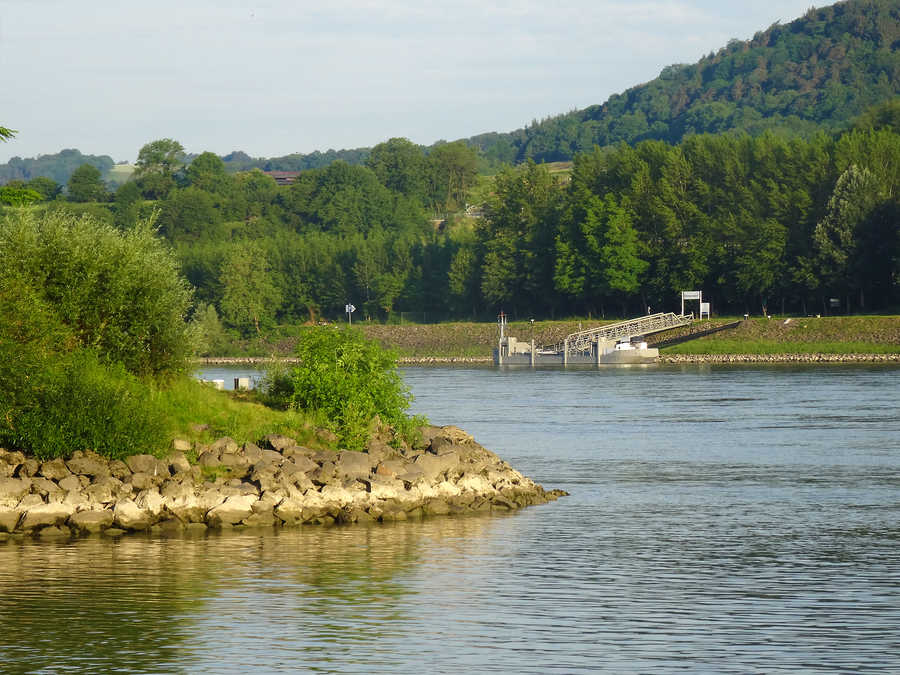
<point>198,412</point>
<point>827,335</point>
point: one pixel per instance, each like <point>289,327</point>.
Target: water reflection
<point>144,604</point>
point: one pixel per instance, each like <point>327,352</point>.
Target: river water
<point>721,519</point>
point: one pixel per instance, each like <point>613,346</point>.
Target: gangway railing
<point>584,341</point>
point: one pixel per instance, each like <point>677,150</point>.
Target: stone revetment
<point>274,483</point>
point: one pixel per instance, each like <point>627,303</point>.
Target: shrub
<point>350,380</point>
<point>120,294</point>
<point>88,318</point>
<point>77,402</point>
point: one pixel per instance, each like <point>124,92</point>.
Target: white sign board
<point>704,309</point>
<point>690,295</point>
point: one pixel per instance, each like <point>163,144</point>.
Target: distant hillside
<point>819,71</point>
<point>58,166</point>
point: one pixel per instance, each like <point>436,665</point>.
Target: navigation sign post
<point>349,309</point>
<point>690,295</point>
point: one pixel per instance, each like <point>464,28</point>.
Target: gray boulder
<point>54,469</point>
<point>91,522</point>
<point>46,515</point>
<point>88,464</point>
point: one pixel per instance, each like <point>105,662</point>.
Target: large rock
<point>9,518</point>
<point>436,466</point>
<point>147,464</point>
<point>13,489</point>
<point>350,464</point>
<point>150,501</point>
<point>105,490</point>
<point>232,511</point>
<point>224,445</point>
<point>179,445</point>
<point>88,464</point>
<point>290,511</point>
<point>128,516</point>
<point>49,490</point>
<point>298,462</point>
<point>71,483</point>
<point>91,522</point>
<point>278,442</point>
<point>54,469</point>
<point>46,515</point>
<point>178,463</point>
<point>237,464</point>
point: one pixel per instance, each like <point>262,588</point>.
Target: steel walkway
<point>585,340</point>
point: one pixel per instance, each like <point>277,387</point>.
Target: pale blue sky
<point>274,77</point>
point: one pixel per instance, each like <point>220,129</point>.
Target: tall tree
<point>250,299</point>
<point>85,185</point>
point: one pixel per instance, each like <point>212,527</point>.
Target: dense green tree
<point>47,187</point>
<point>190,214</point>
<point>164,156</point>
<point>85,185</point>
<point>207,172</point>
<point>400,166</point>
<point>250,299</point>
<point>450,172</point>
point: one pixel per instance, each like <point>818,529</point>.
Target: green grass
<point>189,405</point>
<point>731,346</point>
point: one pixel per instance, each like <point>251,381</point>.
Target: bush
<point>120,294</point>
<point>88,318</point>
<point>78,403</point>
<point>350,380</point>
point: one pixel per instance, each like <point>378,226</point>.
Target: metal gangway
<point>584,341</point>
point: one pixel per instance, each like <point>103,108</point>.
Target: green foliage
<point>78,401</point>
<point>350,380</point>
<point>58,397</point>
<point>163,156</point>
<point>821,70</point>
<point>16,196</point>
<point>249,297</point>
<point>57,167</point>
<point>85,185</point>
<point>209,334</point>
<point>119,294</point>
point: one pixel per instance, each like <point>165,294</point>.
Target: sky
<point>275,77</point>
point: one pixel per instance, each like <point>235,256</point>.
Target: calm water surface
<point>720,520</point>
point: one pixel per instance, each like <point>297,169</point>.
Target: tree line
<point>759,224</point>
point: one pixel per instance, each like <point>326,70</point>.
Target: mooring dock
<point>617,343</point>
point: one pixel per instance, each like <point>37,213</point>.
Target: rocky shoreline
<point>271,484</point>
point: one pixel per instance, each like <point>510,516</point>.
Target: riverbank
<point>856,337</point>
<point>275,483</point>
<point>663,359</point>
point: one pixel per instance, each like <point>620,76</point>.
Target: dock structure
<point>624,331</point>
<point>610,344</point>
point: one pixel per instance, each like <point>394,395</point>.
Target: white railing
<point>583,341</point>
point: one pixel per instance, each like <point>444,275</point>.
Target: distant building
<point>283,177</point>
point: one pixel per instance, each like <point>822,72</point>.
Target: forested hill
<point>58,166</point>
<point>817,72</point>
